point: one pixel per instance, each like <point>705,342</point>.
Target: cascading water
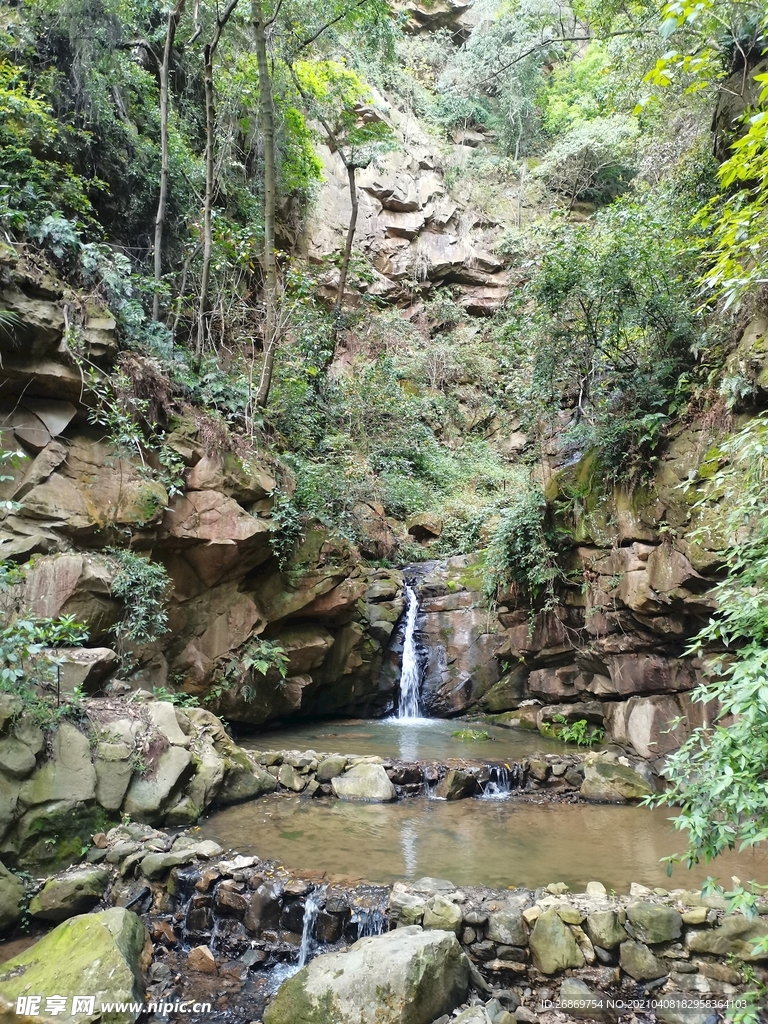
<point>311,907</point>
<point>504,779</point>
<point>409,704</point>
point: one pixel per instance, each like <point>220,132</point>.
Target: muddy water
<point>471,842</point>
<point>414,739</point>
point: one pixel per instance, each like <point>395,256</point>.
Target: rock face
<point>408,976</point>
<point>102,955</point>
<point>158,764</point>
<point>408,225</point>
<point>11,897</point>
<point>459,637</point>
<point>367,782</point>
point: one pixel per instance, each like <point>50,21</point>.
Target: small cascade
<point>370,921</point>
<point>409,704</point>
<point>311,907</point>
<point>503,780</point>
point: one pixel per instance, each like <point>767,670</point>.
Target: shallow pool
<point>470,842</point>
<point>410,739</point>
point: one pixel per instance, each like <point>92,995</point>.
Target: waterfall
<point>409,705</point>
<point>370,921</point>
<point>311,907</point>
<point>504,778</point>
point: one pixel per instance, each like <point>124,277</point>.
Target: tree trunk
<point>173,21</point>
<point>351,176</point>
<point>210,125</point>
<point>270,174</point>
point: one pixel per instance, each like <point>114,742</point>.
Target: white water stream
<point>409,704</point>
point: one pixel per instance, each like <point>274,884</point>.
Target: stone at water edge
<point>364,782</point>
<point>456,785</point>
<point>11,898</point>
<point>76,892</point>
<point>583,1002</point>
<point>653,923</point>
<point>639,962</point>
<point>101,955</point>
<point>553,945</point>
<point>442,915</point>
<point>607,782</point>
<point>408,976</point>
<point>736,936</point>
<point>604,929</point>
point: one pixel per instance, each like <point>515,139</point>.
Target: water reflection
<point>498,843</point>
<point>411,739</point>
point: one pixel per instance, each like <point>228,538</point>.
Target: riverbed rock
<point>456,785</point>
<point>443,915</point>
<point>75,892</point>
<point>610,782</point>
<point>654,923</point>
<point>405,907</point>
<point>583,1002</point>
<point>553,945</point>
<point>100,955</point>
<point>639,962</point>
<point>409,976</point>
<point>245,784</point>
<point>364,782</point>
<point>506,926</point>
<point>11,899</point>
<point>148,794</point>
<point>736,937</point>
<point>604,929</point>
<point>330,767</point>
<point>69,775</point>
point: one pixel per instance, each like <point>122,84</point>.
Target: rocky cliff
<point>80,491</point>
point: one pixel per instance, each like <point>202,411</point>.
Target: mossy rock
<point>471,735</point>
<point>100,955</point>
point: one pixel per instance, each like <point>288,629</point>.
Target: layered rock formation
<point>77,492</point>
<point>415,234</point>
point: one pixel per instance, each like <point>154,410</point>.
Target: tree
<point>334,94</point>
<point>210,154</point>
<point>298,30</point>
<point>174,17</point>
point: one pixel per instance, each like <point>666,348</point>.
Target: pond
<point>471,842</point>
<point>409,739</point>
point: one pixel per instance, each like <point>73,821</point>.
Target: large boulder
<point>69,775</point>
<point>609,782</point>
<point>408,976</point>
<point>553,945</point>
<point>100,955</point>
<point>639,962</point>
<point>149,794</point>
<point>364,782</point>
<point>456,785</point>
<point>11,899</point>
<point>604,929</point>
<point>735,937</point>
<point>75,892</point>
<point>654,923</point>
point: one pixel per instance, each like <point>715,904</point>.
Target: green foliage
<point>577,90</point>
<point>256,657</point>
<point>582,733</point>
<point>144,587</point>
<point>37,179</point>
<point>738,218</point>
<point>180,700</point>
<point>594,160</point>
<point>717,778</point>
<point>29,671</point>
<point>614,321</point>
<point>471,735</point>
<point>520,558</point>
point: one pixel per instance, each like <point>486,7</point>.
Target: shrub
<point>520,557</point>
